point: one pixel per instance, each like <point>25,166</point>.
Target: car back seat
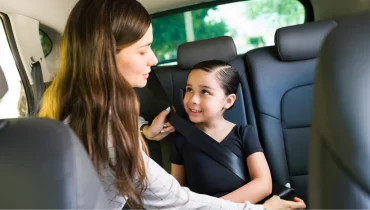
<point>282,79</point>
<point>173,79</point>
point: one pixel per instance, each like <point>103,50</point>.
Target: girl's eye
<point>205,92</point>
<point>143,53</point>
<point>188,89</point>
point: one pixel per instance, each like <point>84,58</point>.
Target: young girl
<point>210,91</point>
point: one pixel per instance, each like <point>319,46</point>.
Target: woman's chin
<point>141,84</point>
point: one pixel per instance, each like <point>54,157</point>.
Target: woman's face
<point>135,61</point>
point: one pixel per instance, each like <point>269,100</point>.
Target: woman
<point>105,52</point>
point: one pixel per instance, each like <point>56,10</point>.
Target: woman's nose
<point>153,59</point>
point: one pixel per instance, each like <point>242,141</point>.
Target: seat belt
<point>197,137</point>
<point>39,86</point>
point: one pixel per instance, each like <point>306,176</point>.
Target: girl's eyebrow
<point>202,86</point>
<point>205,86</point>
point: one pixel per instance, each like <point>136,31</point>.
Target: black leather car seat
<point>340,149</point>
<point>282,81</point>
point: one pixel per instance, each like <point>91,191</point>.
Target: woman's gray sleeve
<point>142,121</point>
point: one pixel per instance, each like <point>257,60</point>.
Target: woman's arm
<point>178,171</point>
<point>164,192</point>
<point>261,185</point>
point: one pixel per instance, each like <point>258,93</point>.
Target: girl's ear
<point>230,99</point>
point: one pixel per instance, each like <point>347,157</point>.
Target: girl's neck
<point>212,125</point>
<point>217,129</point>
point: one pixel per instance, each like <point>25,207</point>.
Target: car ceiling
<point>56,18</point>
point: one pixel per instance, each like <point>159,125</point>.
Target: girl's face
<point>135,61</point>
<point>205,99</point>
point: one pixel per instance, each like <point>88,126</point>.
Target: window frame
<point>18,61</point>
<point>309,14</point>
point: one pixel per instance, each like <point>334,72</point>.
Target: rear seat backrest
<point>282,78</point>
<point>150,107</point>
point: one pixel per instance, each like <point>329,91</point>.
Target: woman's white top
<point>163,191</point>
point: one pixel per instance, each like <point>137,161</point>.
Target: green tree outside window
<point>173,30</point>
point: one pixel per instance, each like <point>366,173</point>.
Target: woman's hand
<point>159,128</point>
<point>276,203</point>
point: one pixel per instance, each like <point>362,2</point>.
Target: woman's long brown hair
<point>89,90</point>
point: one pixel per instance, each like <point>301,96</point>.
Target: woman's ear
<point>230,99</point>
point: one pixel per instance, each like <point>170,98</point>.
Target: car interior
<point>302,66</point>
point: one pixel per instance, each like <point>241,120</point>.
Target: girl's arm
<point>164,192</point>
<point>178,171</point>
<point>261,185</point>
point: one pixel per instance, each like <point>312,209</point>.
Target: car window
<point>251,23</point>
<point>14,103</point>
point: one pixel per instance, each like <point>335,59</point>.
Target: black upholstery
<point>282,92</point>
<point>44,166</point>
<point>302,42</point>
<point>340,150</point>
<point>218,48</point>
<point>150,107</point>
<point>173,79</point>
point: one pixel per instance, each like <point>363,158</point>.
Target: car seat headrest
<point>301,42</point>
<point>218,48</point>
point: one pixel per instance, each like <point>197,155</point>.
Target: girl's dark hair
<point>227,75</point>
